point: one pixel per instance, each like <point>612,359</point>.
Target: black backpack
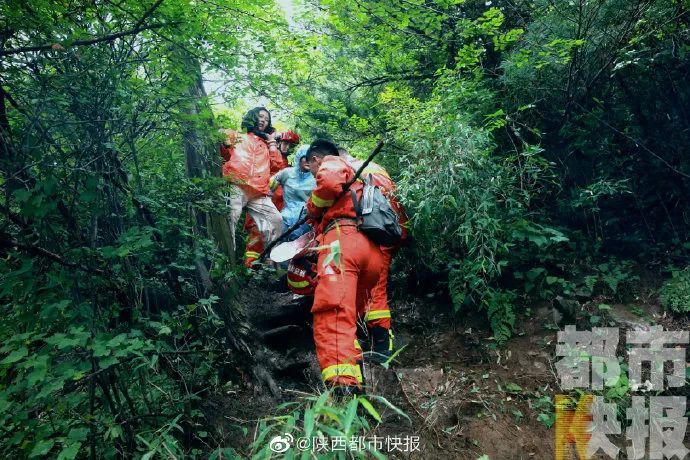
<point>376,218</point>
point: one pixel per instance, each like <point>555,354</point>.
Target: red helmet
<point>301,271</point>
<point>301,275</point>
<point>289,136</point>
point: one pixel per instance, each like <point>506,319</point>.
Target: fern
<point>457,289</point>
<point>463,281</point>
<point>590,282</point>
<point>499,306</point>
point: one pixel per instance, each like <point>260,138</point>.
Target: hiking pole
<point>346,187</point>
<point>361,169</point>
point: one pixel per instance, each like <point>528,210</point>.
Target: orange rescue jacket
<point>249,162</point>
<point>327,201</point>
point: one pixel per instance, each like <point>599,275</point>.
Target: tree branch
<point>106,38</point>
<point>8,242</point>
<point>375,81</point>
<point>148,13</point>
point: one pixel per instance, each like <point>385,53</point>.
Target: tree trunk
<point>202,160</point>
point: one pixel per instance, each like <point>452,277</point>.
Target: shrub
<point>465,202</point>
<point>675,293</point>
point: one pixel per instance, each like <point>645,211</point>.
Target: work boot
<point>360,363</point>
<point>344,393</point>
<point>382,348</point>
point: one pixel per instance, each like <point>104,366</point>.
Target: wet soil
<point>465,397</point>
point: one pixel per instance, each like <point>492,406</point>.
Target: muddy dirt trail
<point>465,396</point>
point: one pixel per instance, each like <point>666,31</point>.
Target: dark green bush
<point>675,293</point>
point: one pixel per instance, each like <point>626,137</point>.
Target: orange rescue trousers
<point>348,270</point>
<point>378,312</point>
<point>254,245</point>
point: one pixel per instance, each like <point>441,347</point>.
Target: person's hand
<point>272,141</point>
<point>230,136</point>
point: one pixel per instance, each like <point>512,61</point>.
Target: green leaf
<point>114,432</point>
<point>367,405</point>
<point>69,452</point>
<point>107,362</point>
<point>547,419</point>
<point>100,348</point>
<point>62,341</point>
<point>321,401</point>
<point>78,434</point>
<point>41,448</point>
<point>225,453</point>
<point>308,422</point>
<point>149,455</point>
<point>534,273</point>
<point>40,368</point>
<point>513,388</point>
<point>15,356</point>
<point>350,416</point>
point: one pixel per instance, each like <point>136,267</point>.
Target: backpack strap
<point>355,204</point>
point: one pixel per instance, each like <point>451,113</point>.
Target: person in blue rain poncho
<point>297,184</point>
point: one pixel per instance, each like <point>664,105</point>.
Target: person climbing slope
<point>347,269</point>
<point>279,161</point>
<point>247,169</point>
<point>378,315</point>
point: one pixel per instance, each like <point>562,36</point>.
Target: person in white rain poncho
<point>297,184</point>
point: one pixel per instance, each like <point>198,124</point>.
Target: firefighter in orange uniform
<point>378,315</point>
<point>348,269</point>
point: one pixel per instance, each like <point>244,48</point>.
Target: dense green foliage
<point>675,293</point>
<point>530,139</point>
<point>534,143</point>
<point>113,327</point>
